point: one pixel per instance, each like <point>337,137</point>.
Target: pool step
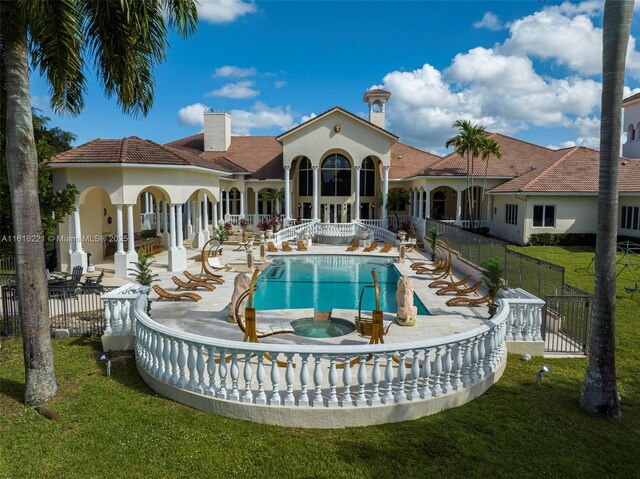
<point>319,315</point>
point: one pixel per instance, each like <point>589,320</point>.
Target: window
<point>630,218</point>
<point>512,215</point>
<point>368,177</point>
<point>544,216</point>
<point>305,178</point>
<point>336,176</point>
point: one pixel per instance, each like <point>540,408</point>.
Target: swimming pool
<point>324,282</point>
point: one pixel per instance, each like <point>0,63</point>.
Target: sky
<point>527,69</point>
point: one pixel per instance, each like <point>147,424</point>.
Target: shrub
<point>562,239</point>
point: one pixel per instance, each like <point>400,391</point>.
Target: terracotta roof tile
<point>407,161</point>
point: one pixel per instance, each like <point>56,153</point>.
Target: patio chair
<point>164,294</point>
<point>425,264</point>
<point>632,289</point>
<point>271,248</point>
<point>354,246</point>
<point>206,279</point>
<point>286,247</point>
<point>473,289</point>
<point>192,286</point>
<point>462,301</point>
<point>386,248</point>
<point>301,246</point>
<point>372,247</point>
<point>441,283</point>
<point>91,285</point>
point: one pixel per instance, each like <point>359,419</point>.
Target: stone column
<point>189,224</point>
<point>179,227</point>
<point>157,218</point>
<point>172,226</point>
<point>214,212</point>
<point>256,216</point>
<point>177,253</point>
<point>287,193</point>
<point>356,204</point>
<point>420,204</point>
<point>130,231</point>
<point>228,205</point>
<point>205,220</point>
<point>385,194</point>
<point>315,192</point>
<point>242,212</point>
<point>427,204</point>
<point>120,258</point>
<point>459,207</point>
<point>70,239</point>
<point>78,255</point>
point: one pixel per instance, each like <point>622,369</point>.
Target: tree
<point>397,198</point>
<point>490,147</point>
<point>125,40</point>
<point>54,205</point>
<point>272,195</point>
<point>599,391</point>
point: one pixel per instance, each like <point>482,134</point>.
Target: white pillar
<point>189,223</point>
<point>214,212</point>
<point>71,234</point>
<point>242,213</point>
<point>356,204</point>
<point>287,193</point>
<point>121,259</point>
<point>76,223</point>
<point>256,197</point>
<point>427,204</point>
<point>165,225</point>
<point>205,220</point>
<point>385,193</point>
<point>146,202</point>
<point>119,230</point>
<point>180,239</point>
<point>130,230</point>
<point>458,207</point>
<point>172,226</point>
<point>228,204</point>
<point>157,218</point>
<point>420,204</point>
<point>315,192</point>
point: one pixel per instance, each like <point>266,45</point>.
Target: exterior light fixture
<point>544,369</point>
<point>526,357</point>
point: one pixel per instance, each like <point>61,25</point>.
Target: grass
<point>118,427</point>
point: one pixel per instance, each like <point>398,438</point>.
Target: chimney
<point>217,131</point>
<point>376,98</point>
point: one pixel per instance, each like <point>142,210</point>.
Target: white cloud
<point>261,116</point>
<point>279,84</point>
<point>306,118</point>
<point>192,115</point>
<point>223,11</point>
<point>241,89</point>
<point>490,21</point>
<point>234,71</point>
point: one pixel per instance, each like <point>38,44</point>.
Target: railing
<point>238,371</point>
<point>380,234</point>
<point>119,319</point>
<point>293,232</point>
<point>336,229</point>
<point>379,223</point>
<point>468,223</point>
<point>524,322</point>
<point>233,219</point>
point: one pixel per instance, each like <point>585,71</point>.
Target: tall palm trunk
<point>22,168</point>
<point>599,390</point>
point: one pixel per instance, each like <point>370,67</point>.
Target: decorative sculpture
<point>404,297</point>
<point>240,285</point>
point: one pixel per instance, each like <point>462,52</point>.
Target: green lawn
<point>117,427</point>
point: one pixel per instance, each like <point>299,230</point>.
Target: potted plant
<point>432,236</point>
<point>492,278</point>
<point>142,273</point>
<point>243,225</point>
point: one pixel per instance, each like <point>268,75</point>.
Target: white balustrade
<point>329,376</point>
<point>524,322</point>
<point>118,309</point>
<point>378,223</point>
<point>295,232</point>
<point>380,234</point>
<point>234,219</point>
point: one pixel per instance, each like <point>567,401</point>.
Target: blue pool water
<point>327,282</point>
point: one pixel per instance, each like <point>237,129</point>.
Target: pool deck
<point>208,317</point>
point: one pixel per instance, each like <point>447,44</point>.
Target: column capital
<point>315,167</point>
<point>287,167</point>
<point>358,167</point>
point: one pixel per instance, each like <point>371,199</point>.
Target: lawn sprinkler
<point>543,369</point>
<point>104,357</point>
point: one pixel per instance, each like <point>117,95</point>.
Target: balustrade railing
<point>233,219</point>
<point>118,309</point>
<point>327,376</point>
<point>379,223</point>
<point>336,229</point>
<point>380,234</point>
<point>294,232</point>
<point>524,322</point>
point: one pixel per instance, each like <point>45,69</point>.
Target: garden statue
<point>404,297</point>
<point>240,285</point>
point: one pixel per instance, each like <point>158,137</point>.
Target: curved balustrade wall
<point>320,386</point>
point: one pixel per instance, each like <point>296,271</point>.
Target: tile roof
<point>573,170</point>
<point>517,158</point>
<point>134,150</point>
<point>260,155</point>
<point>407,161</point>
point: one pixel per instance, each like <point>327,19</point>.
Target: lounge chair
<point>441,283</point>
<point>192,286</point>
<point>386,248</point>
<point>301,246</point>
<point>354,246</point>
<point>164,294</point>
<point>271,248</point>
<point>214,264</point>
<point>425,265</point>
<point>460,291</point>
<point>91,285</point>
<point>203,279</point>
<point>372,247</point>
<point>461,301</point>
<point>286,247</point>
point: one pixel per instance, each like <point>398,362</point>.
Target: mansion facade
<point>334,168</point>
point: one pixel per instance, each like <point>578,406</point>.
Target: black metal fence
<point>81,313</point>
<point>536,276</point>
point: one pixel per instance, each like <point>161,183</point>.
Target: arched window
<point>305,178</point>
<point>368,177</point>
<point>631,133</point>
<point>336,176</point>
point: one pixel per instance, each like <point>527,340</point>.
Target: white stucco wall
<point>631,148</point>
<point>628,201</point>
<point>499,226</point>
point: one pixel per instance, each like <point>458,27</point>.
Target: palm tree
<point>126,41</point>
<point>490,147</point>
<point>272,195</point>
<point>397,199</point>
<point>599,391</point>
<point>468,144</point>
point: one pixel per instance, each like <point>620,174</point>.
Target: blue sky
<point>528,69</point>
